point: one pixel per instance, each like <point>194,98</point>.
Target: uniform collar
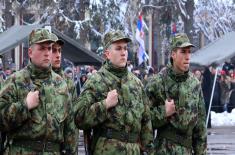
<point>176,76</point>
<point>119,72</point>
<point>38,73</point>
<point>58,71</point>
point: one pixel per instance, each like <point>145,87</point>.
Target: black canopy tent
<point>76,52</point>
<point>72,49</point>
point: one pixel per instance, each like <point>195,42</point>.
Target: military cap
<point>180,40</point>
<point>56,39</point>
<point>39,36</point>
<point>113,36</point>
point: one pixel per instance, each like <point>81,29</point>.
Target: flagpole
<point>149,55</point>
<point>150,39</point>
<point>212,94</point>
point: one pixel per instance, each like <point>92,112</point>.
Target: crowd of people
<point>223,97</point>
<point>223,88</point>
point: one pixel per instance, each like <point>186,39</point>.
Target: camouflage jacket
<point>70,83</point>
<point>131,114</point>
<point>52,120</point>
<point>190,114</point>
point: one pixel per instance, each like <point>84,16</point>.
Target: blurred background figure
<point>225,86</point>
<point>68,72</point>
<point>198,74</point>
<point>80,83</point>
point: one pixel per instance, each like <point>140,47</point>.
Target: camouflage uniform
<point>70,83</point>
<point>183,133</point>
<point>2,135</point>
<point>123,129</point>
<point>40,130</point>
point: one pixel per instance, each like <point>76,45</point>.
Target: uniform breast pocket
<point>191,116</point>
<point>101,96</point>
<point>137,105</point>
<point>60,105</point>
<point>36,116</point>
<point>194,114</point>
<point>22,92</point>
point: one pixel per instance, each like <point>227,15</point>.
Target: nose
<point>188,56</point>
<point>58,55</point>
<point>47,52</point>
<point>123,51</point>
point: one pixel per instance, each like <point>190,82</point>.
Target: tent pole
<point>212,94</point>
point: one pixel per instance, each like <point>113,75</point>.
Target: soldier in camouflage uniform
<point>35,105</point>
<point>2,135</point>
<point>114,104</point>
<point>56,64</point>
<point>56,67</point>
<point>177,105</point>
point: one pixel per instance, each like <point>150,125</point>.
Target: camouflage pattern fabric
<point>189,119</point>
<point>130,115</point>
<point>56,39</point>
<point>113,36</point>
<point>72,91</point>
<point>180,40</point>
<point>39,36</point>
<point>16,150</point>
<point>70,83</point>
<point>51,121</point>
<point>2,135</point>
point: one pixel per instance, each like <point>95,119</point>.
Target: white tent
<point>216,52</point>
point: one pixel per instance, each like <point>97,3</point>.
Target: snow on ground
<point>223,119</point>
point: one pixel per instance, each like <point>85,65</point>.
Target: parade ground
<point>221,140</point>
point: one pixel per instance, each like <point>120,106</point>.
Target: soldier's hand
<point>32,99</point>
<point>112,99</point>
<point>170,107</point>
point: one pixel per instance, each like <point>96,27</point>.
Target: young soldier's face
<point>40,54</point>
<point>181,59</point>
<point>117,53</point>
<point>56,55</point>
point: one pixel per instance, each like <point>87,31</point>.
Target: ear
<point>173,54</point>
<point>107,54</point>
<point>30,52</point>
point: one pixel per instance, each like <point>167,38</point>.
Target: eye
<point>49,48</point>
<point>118,48</point>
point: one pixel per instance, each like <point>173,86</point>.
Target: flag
<point>174,30</point>
<point>142,55</point>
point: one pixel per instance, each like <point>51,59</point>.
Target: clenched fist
<point>112,99</point>
<point>32,99</point>
<point>170,107</point>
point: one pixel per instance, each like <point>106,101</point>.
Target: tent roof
<point>215,52</point>
<point>76,52</point>
<point>15,35</point>
<point>72,49</point>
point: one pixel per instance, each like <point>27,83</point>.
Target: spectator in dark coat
<point>80,83</point>
<point>206,89</point>
<point>207,85</point>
